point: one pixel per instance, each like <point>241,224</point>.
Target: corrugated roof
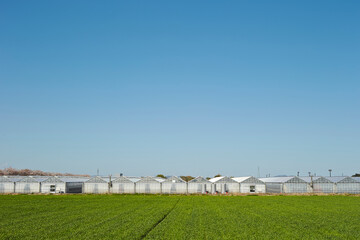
<point>199,180</point>
<point>276,179</point>
<point>134,179</point>
<point>174,179</point>
<point>159,179</point>
<point>215,179</point>
<point>241,179</point>
<point>148,179</point>
<point>336,178</point>
<point>308,179</point>
<point>222,179</point>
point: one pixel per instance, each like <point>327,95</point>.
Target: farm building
<point>199,185</point>
<point>96,185</point>
<point>27,185</point>
<point>286,185</point>
<point>123,185</point>
<point>319,184</point>
<point>345,184</point>
<point>225,185</point>
<point>148,185</point>
<point>74,184</point>
<point>6,185</point>
<point>174,185</point>
<point>53,185</point>
<point>250,185</point>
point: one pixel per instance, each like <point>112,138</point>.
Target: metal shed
<point>225,185</point>
<point>199,185</point>
<point>53,185</point>
<point>345,184</point>
<point>96,185</point>
<point>174,185</point>
<point>123,185</point>
<point>285,185</point>
<point>27,185</point>
<point>319,184</point>
<point>148,185</point>
<point>250,184</point>
<point>6,185</point>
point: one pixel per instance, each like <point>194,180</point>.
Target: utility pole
<point>258,172</point>
<point>109,184</point>
<point>330,170</point>
<point>298,174</point>
<point>97,172</point>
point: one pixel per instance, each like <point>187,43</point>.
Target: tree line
<point>28,172</point>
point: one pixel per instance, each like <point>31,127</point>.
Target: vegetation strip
<point>178,217</point>
<point>158,222</point>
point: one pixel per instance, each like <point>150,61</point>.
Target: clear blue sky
<point>183,88</point>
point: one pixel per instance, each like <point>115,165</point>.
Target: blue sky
<point>180,88</point>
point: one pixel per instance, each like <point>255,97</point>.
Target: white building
<point>6,185</point>
<point>285,185</point>
<point>250,185</point>
<point>53,185</point>
<point>27,185</point>
<point>319,184</point>
<point>174,185</point>
<point>123,185</point>
<point>224,185</point>
<point>96,185</point>
<point>148,185</point>
<point>199,185</point>
<point>345,185</point>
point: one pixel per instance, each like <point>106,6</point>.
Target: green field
<point>179,217</point>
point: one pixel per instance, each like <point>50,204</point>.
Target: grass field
<point>179,217</point>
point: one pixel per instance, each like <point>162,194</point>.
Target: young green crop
<point>178,217</point>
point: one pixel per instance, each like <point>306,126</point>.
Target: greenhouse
<point>225,185</point>
<point>174,185</point>
<point>6,185</point>
<point>199,185</point>
<point>74,184</point>
<point>345,184</point>
<point>123,185</point>
<point>285,185</point>
<point>319,184</point>
<point>96,185</point>
<point>148,185</point>
<point>250,185</point>
<point>53,185</point>
<point>27,185</point>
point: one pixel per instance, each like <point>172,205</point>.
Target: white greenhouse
<point>148,185</point>
<point>6,185</point>
<point>96,185</point>
<point>225,185</point>
<point>319,184</point>
<point>174,185</point>
<point>345,184</point>
<point>27,185</point>
<point>285,185</point>
<point>199,185</point>
<point>123,185</point>
<point>74,184</point>
<point>53,185</point>
<point>250,185</point>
